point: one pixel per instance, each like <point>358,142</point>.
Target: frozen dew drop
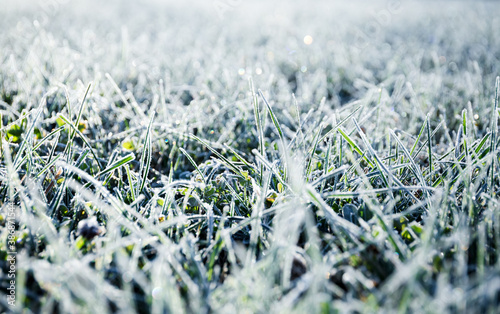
<point>308,39</point>
<point>156,293</point>
<point>241,71</point>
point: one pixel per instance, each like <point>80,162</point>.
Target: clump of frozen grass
<point>339,179</point>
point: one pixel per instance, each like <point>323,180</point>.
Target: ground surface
<point>227,156</point>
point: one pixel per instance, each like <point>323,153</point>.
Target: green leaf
<point>82,126</point>
<point>60,122</point>
<point>80,242</point>
<point>415,226</point>
<point>14,133</point>
<point>128,145</point>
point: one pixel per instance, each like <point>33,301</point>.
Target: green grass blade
<point>117,164</point>
<point>313,150</point>
<point>223,159</point>
<point>278,129</point>
<point>84,139</point>
<point>193,163</point>
<point>47,166</point>
<point>43,140</point>
<point>258,124</point>
<point>337,126</point>
<point>82,106</point>
<point>429,143</point>
<point>416,168</point>
<point>146,155</point>
<point>419,136</point>
<point>130,183</point>
<point>354,146</point>
<point>28,138</point>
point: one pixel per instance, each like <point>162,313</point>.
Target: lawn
<point>249,157</point>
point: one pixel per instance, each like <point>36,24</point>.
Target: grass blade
<point>193,163</point>
<point>117,164</point>
<point>146,155</point>
<point>84,139</point>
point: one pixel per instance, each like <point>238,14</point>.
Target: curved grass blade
<point>67,149</point>
<point>28,136</point>
<point>337,126</point>
<point>84,139</point>
<point>380,164</point>
<point>47,166</point>
<point>312,151</point>
<point>147,151</point>
<point>335,219</point>
<point>419,136</point>
<point>130,183</point>
<point>40,142</point>
<point>349,195</point>
<point>223,159</point>
<point>240,158</point>
<point>82,106</point>
<point>270,167</point>
<point>408,155</point>
<point>117,164</point>
<point>258,123</point>
<point>278,129</point>
<point>355,146</point>
<point>193,163</point>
